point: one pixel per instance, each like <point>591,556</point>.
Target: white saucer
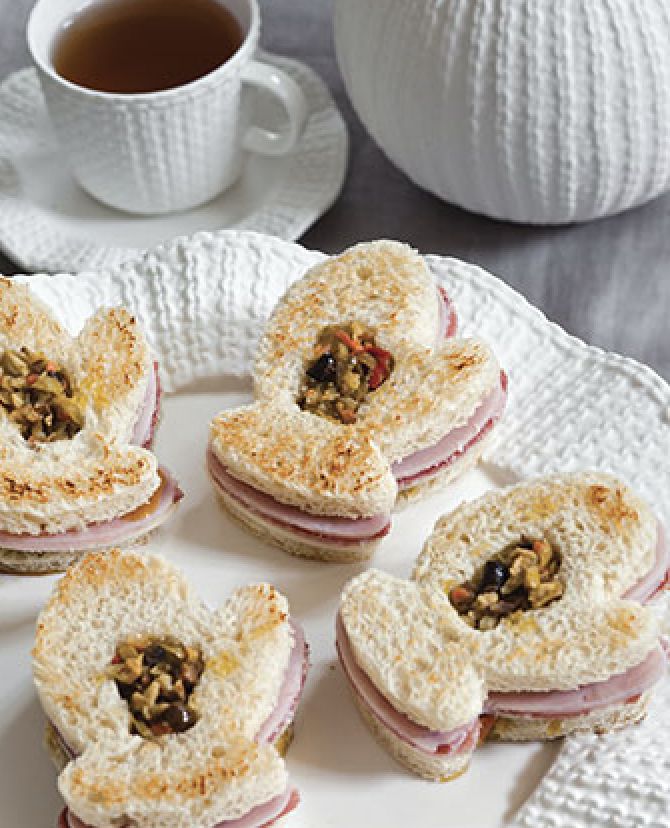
<point>48,223</point>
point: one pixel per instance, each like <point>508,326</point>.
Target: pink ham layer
<point>143,433</point>
<point>447,321</point>
<point>555,704</point>
<point>648,586</point>
<point>98,535</point>
<point>262,816</point>
<point>291,690</point>
<point>333,530</point>
<point>459,740</point>
<point>428,462</point>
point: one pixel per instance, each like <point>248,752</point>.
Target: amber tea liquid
<point>133,46</point>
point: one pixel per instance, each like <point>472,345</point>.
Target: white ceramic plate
<point>202,301</point>
<point>48,223</point>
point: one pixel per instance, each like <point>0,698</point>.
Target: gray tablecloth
<point>607,282</point>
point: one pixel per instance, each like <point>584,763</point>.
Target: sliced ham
<point>338,530</point>
<point>147,418</point>
<point>262,816</point>
<point>648,586</point>
<point>111,532</point>
<point>447,320</point>
<point>555,704</point>
<point>429,461</point>
<point>291,690</point>
<point>460,739</point>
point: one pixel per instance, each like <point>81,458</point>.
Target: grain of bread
<point>95,475</point>
<point>195,779</point>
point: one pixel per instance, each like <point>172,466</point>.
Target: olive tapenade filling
<point>156,677</point>
<point>39,396</point>
<point>345,367</point>
<point>521,577</point>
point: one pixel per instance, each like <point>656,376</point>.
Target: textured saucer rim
<point>34,239</point>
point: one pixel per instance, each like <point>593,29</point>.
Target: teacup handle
<point>291,97</point>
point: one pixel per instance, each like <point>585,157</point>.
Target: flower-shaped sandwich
<point>525,619</point>
<point>161,711</point>
<point>361,391</point>
<point>76,419</point>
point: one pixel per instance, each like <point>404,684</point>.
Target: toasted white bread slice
<point>212,772</point>
<point>400,639</point>
<point>588,660</point>
<point>383,284</point>
<point>435,388</point>
<point>607,539</point>
<point>435,385</point>
<point>302,460</point>
<point>48,488</point>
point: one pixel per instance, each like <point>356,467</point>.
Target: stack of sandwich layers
<point>161,711</point>
<point>76,472</point>
<point>364,396</point>
<point>526,619</point>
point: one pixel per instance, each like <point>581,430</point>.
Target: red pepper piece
<point>382,369</point>
<point>353,346</point>
<point>486,723</point>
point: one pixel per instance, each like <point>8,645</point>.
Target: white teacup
<point>170,150</point>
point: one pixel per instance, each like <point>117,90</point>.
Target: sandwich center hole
<point>522,577</point>
<point>156,676</point>
<point>345,366</point>
<point>39,396</point>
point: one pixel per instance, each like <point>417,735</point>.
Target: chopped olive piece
<point>323,369</point>
<point>494,575</point>
<point>520,578</point>
<point>346,366</point>
<point>179,717</point>
<point>156,676</point>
